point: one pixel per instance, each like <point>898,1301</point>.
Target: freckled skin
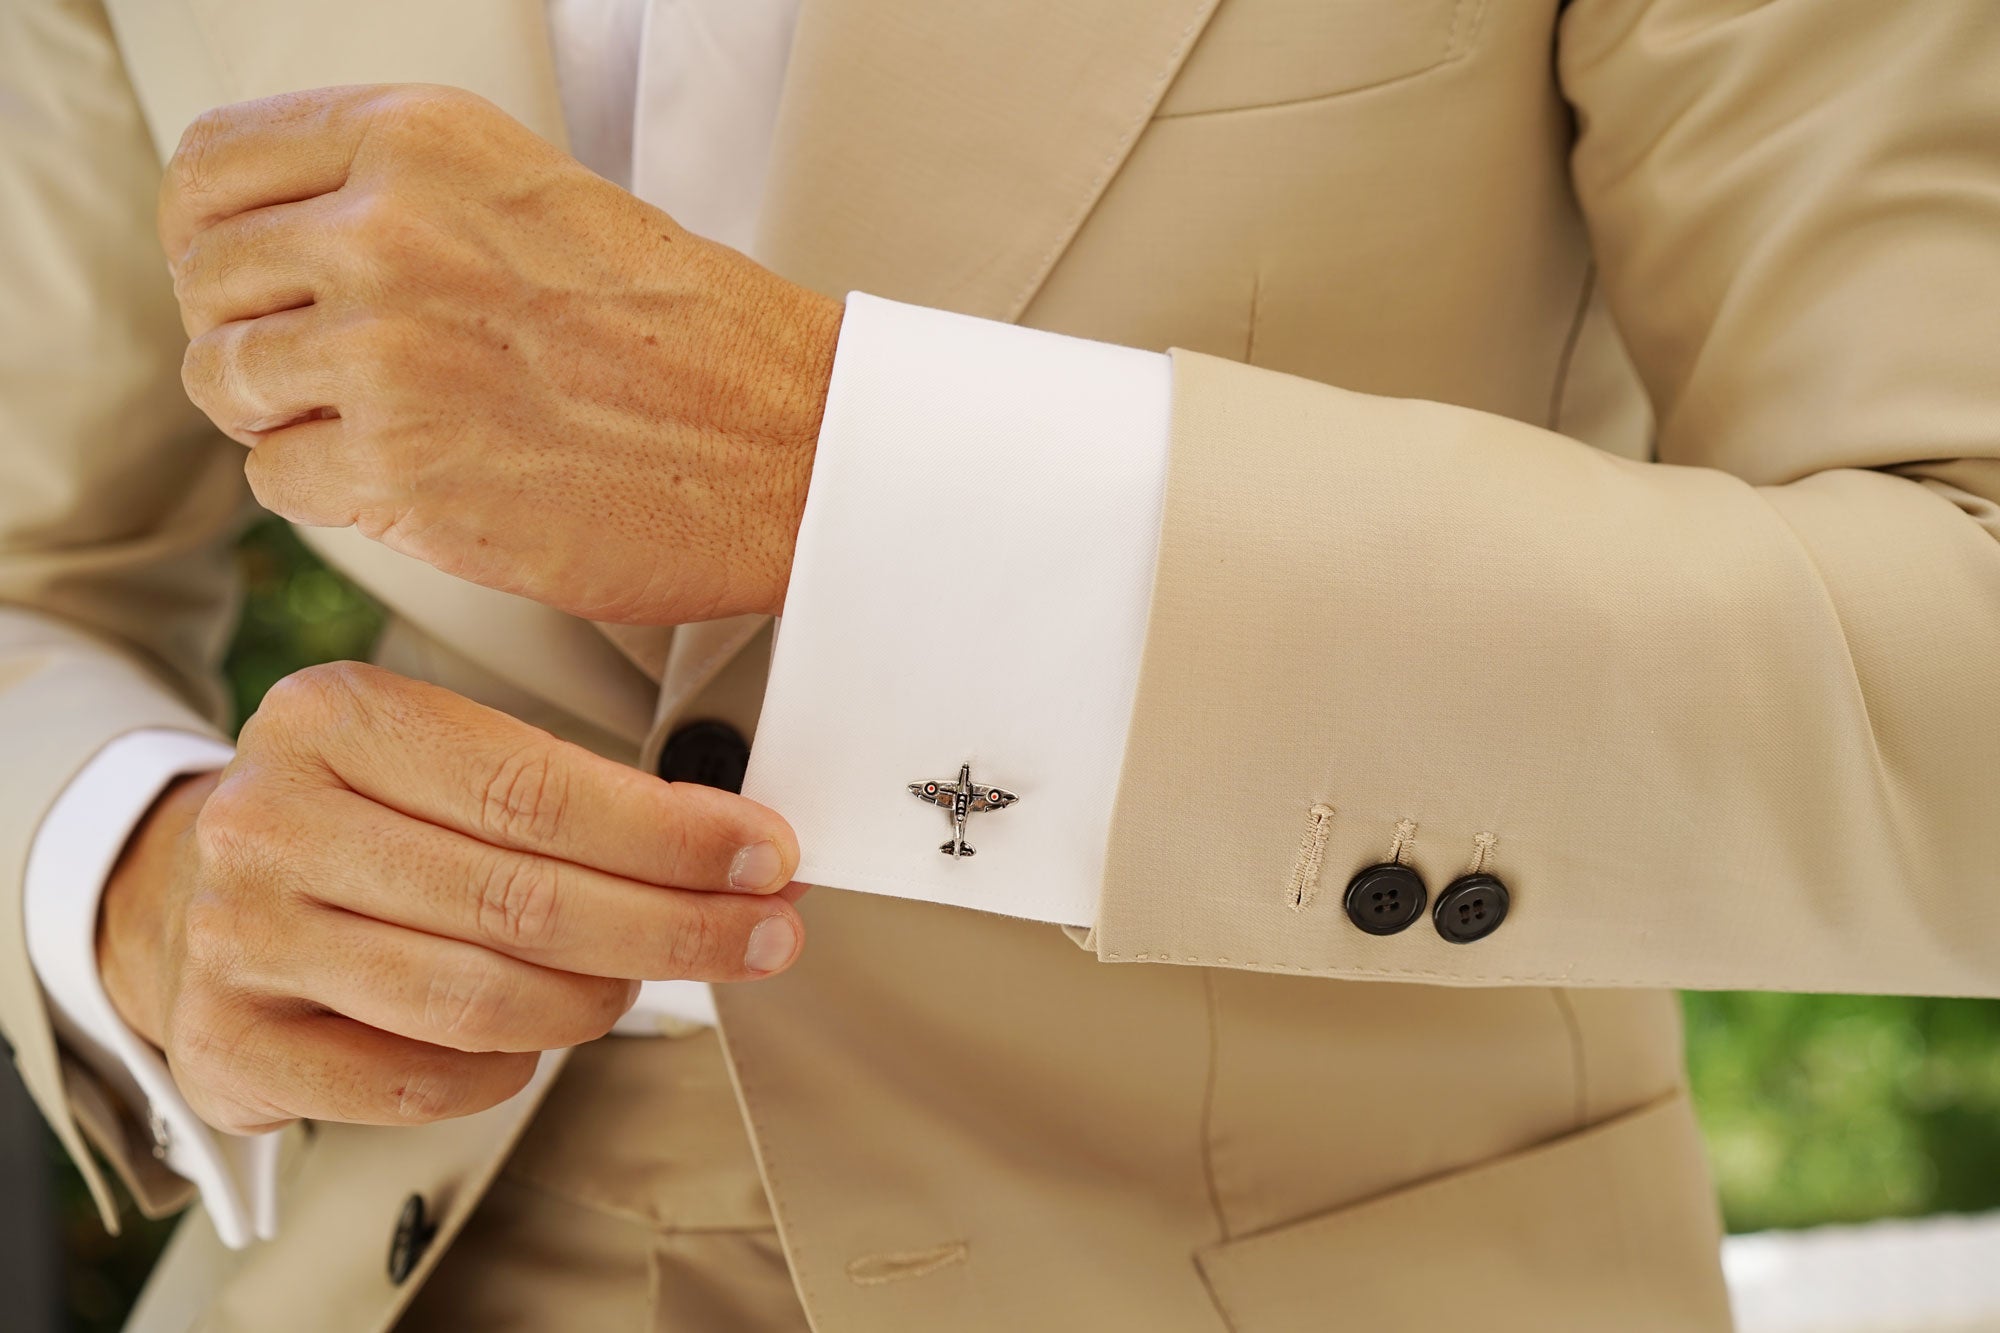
<point>483,355</point>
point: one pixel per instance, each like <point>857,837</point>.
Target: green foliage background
<point>1817,1108</point>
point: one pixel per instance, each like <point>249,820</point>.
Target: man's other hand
<point>393,898</point>
<point>430,324</point>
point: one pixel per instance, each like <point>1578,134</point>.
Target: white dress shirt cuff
<point>971,586</point>
<point>72,855</point>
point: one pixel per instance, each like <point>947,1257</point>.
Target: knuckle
<point>342,680</point>
<point>241,1099</point>
<point>293,697</point>
<point>229,1075</point>
<point>228,939</point>
<point>427,1091</point>
<point>405,110</point>
<point>252,352</point>
<point>276,738</point>
<point>377,225</point>
<point>227,369</point>
<point>420,111</point>
<point>697,947</point>
<point>206,1051</point>
<point>202,371</point>
<point>319,695</point>
<point>526,797</point>
<point>189,171</point>
<point>191,273</point>
<point>519,902</point>
<point>226,829</point>
<point>441,1088</point>
<point>389,243</point>
<point>678,841</point>
<point>209,925</point>
<point>464,1005</point>
<point>256,734</point>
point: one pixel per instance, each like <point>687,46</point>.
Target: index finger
<point>274,150</point>
<point>437,756</point>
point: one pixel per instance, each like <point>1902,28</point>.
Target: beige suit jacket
<point>1715,697</point>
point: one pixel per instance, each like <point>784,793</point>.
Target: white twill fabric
<point>970,586</point>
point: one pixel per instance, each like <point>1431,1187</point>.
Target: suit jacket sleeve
<point>1731,719</point>
<point>117,500</point>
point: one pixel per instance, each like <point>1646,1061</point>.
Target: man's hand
<point>430,324</point>
<point>393,897</point>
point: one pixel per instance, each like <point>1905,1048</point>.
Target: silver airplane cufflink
<point>963,799</point>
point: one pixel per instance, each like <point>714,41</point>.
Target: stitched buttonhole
<point>1303,886</point>
<point>1482,852</point>
<point>874,1270</point>
<point>1399,846</point>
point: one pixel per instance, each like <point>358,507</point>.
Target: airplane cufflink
<point>963,799</point>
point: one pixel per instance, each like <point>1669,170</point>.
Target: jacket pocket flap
<point>1612,1227</point>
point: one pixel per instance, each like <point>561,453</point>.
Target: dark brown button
<point>1385,898</point>
<point>1471,908</point>
<point>414,1233</point>
<point>711,753</point>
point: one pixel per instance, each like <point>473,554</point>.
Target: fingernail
<point>756,867</point>
<point>772,945</point>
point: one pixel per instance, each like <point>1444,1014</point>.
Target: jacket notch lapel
<point>945,155</point>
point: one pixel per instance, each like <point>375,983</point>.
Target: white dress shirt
<point>970,587</point>
<point>971,583</point>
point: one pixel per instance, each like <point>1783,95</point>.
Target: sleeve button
<point>1383,899</point>
<point>413,1235</point>
<point>713,754</point>
<point>1471,908</point>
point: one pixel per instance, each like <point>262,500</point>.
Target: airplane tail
<point>962,849</point>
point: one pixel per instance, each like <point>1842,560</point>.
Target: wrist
<point>819,322</point>
<point>134,913</point>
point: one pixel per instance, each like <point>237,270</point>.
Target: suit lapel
<point>946,154</point>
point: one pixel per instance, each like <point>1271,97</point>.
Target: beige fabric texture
<point>1585,452</point>
<point>601,1220</point>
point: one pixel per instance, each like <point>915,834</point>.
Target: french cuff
<point>968,597</point>
<point>69,861</point>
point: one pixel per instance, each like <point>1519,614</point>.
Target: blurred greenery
<point>1841,1108</point>
<point>1817,1108</point>
<point>296,612</point>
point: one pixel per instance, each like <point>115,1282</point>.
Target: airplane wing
<point>937,793</point>
<point>991,798</point>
